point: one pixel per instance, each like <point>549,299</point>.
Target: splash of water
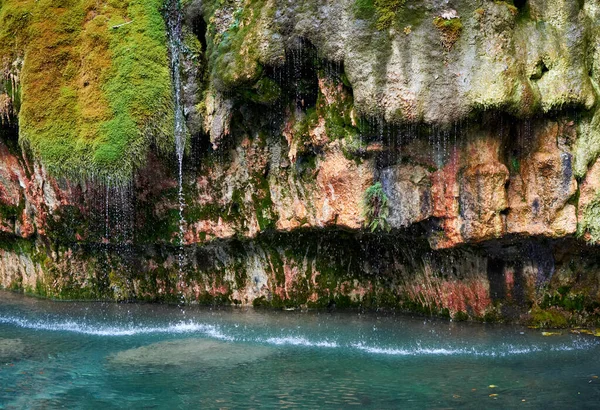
<point>298,339</point>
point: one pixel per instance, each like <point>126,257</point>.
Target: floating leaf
<point>551,333</point>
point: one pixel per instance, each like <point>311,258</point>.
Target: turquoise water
<point>93,355</point>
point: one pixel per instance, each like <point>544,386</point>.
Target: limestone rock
<point>408,188</point>
<point>539,194</point>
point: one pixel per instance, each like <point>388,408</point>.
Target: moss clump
<point>354,147</point>
<point>589,224</point>
<point>384,10</point>
<point>376,208</point>
<point>263,204</point>
<point>264,92</point>
<point>549,318</point>
<point>302,126</point>
<point>450,30</point>
<point>138,89</point>
<point>338,112</point>
<point>511,7</point>
<point>564,299</point>
<point>587,146</point>
<point>460,316</point>
<point>234,50</point>
<point>93,96</point>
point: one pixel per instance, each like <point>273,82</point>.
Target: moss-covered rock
<point>95,82</point>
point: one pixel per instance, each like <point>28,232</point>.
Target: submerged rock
<point>190,352</point>
<point>11,349</point>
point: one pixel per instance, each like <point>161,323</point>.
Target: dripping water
<point>174,21</point>
<point>116,202</point>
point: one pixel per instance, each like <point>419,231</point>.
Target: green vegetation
<point>509,4</point>
<point>338,112</point>
<point>550,318</point>
<point>384,11</point>
<point>95,82</point>
<point>234,50</point>
<point>460,316</point>
<point>265,92</point>
<point>376,209</point>
<point>587,146</point>
<point>589,223</point>
<point>450,30</point>
<point>565,299</point>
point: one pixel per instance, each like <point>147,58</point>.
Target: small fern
<point>376,208</point>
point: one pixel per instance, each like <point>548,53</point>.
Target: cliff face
<point>433,156</point>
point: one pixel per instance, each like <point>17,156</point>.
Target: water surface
<point>95,355</point>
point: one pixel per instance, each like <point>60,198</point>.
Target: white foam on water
<point>417,351</point>
<point>501,351</point>
<point>117,331</point>
<point>578,344</point>
<point>215,332</point>
<point>300,341</point>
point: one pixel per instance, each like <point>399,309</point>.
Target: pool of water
<point>94,355</point>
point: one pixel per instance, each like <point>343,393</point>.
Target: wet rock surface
<point>474,123</point>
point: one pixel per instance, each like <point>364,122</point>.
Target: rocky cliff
<point>433,156</point>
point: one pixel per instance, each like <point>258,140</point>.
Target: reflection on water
<point>87,355</point>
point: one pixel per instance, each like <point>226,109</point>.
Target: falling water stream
<point>174,19</point>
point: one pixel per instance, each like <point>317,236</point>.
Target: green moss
<point>337,114</point>
<point>261,302</point>
<point>460,316</point>
<point>589,223</point>
<point>364,9</point>
<point>235,52</point>
<point>263,204</point>
<point>450,30</point>
<point>11,212</point>
<point>17,245</point>
<point>550,318</point>
<point>564,299</point>
<point>509,5</point>
<point>94,96</point>
<point>354,147</point>
<point>383,10</point>
<point>492,316</point>
<point>68,225</point>
<point>265,92</point>
<point>587,145</point>
<point>304,124</point>
<point>515,164</point>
